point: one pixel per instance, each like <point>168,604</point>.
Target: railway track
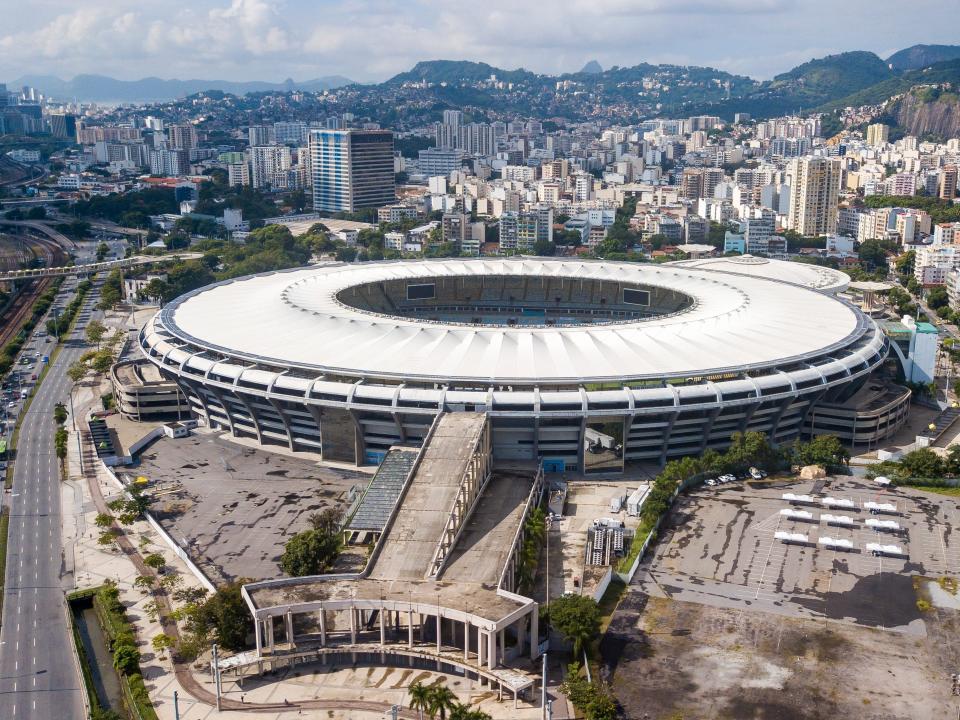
<point>13,319</point>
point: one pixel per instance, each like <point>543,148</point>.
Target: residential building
<point>814,191</point>
<point>947,187</point>
<point>238,174</point>
<point>290,133</point>
<point>877,134</point>
<point>266,161</point>
<point>258,135</point>
<point>440,160</point>
<point>181,137</point>
<point>934,262</point>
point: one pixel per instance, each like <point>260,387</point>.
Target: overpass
<point>91,268</point>
<point>42,228</point>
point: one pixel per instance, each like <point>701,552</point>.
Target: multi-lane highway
<point>38,674</point>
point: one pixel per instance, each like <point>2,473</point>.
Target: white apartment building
<point>238,174</point>
<point>814,192</point>
<point>946,234</point>
<point>934,262</point>
<point>266,161</point>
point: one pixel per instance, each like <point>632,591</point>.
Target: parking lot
<point>718,548</point>
<point>233,506</point>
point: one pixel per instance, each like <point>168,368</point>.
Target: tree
<point>310,552</point>
<point>101,362</point>
<point>442,700</point>
<point>145,582</point>
<point>325,521</point>
<point>419,697</point>
<point>95,332</point>
<point>154,560</point>
<point>59,413</point>
<point>77,371</point>
<point>577,618</point>
<point>226,614</point>
<point>824,450</point>
<point>465,712</point>
<point>102,251</point>
<point>161,643</point>
<point>922,463</point>
<point>126,659</point>
<point>60,443</point>
<point>103,520</point>
<point>937,298</point>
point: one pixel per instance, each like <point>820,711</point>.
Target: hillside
<point>945,72</point>
<point>458,71</point>
<point>920,56</point>
<point>927,111</point>
<point>807,86</point>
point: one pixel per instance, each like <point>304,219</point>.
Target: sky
<point>371,40</point>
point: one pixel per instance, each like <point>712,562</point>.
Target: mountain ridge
<point>102,88</point>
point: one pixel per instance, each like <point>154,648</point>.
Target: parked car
<point>711,482</point>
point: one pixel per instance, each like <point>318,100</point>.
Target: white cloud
<point>373,39</point>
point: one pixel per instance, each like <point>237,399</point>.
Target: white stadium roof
<point>820,278</point>
<point>293,319</point>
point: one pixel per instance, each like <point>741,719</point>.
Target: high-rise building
<point>877,134</point>
<point>265,162</point>
<point>290,133</point>
<point>947,187</point>
<point>182,137</point>
<point>351,169</point>
<point>814,192</point>
<point>238,173</point>
<point>452,117</point>
<point>62,125</point>
<point>169,162</point>
<point>259,135</point>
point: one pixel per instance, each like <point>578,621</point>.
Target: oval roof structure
<point>294,319</point>
<point>818,277</point>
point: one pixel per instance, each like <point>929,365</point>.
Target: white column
<point>383,632</point>
<point>439,631</point>
<point>353,626</point>
<point>323,627</point>
<point>503,644</point>
<point>410,628</point>
<point>534,633</point>
<point>258,633</point>
<point>466,640</point>
<point>269,628</point>
<point>288,622</point>
<point>492,651</point>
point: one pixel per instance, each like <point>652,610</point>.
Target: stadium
<point>586,365</point>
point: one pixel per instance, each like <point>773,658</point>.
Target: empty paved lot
<point>235,506</point>
<point>718,548</point>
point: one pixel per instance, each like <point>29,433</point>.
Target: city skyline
<point>273,39</point>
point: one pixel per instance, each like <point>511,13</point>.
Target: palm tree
<point>465,712</point>
<point>420,697</point>
<point>442,699</point>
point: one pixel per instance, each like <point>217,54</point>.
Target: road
<point>38,674</point>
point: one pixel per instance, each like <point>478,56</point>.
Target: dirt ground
<point>675,660</point>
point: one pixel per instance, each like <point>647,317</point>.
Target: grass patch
<point>120,633</point>
<point>610,600</point>
<point>626,562</point>
<point>948,491</point>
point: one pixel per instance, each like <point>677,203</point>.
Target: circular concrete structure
<point>659,360</point>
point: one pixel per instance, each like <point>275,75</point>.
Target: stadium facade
<point>587,365</point>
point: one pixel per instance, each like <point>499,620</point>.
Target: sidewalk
<point>312,691</point>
